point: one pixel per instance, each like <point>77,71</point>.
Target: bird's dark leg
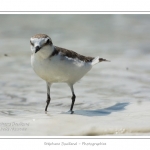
<point>48,96</point>
<point>73,99</point>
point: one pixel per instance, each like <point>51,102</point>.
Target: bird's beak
<point>37,48</point>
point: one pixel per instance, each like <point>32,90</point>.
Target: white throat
<point>45,52</point>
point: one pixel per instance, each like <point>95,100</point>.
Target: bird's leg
<point>48,95</point>
<point>73,99</point>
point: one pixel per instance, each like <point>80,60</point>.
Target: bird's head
<point>41,44</point>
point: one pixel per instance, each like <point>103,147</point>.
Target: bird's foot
<point>71,111</point>
<point>45,112</point>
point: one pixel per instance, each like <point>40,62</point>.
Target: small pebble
<point>5,55</point>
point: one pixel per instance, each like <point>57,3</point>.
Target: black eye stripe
<point>31,43</point>
<point>48,42</point>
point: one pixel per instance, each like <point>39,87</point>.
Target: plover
<point>55,64</point>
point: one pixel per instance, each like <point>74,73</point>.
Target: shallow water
<point>112,99</point>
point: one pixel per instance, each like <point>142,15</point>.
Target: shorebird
<point>55,64</point>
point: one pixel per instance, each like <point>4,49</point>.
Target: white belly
<point>60,69</point>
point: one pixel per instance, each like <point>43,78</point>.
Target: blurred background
<point>122,85</point>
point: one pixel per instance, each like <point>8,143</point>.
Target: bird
<point>58,65</point>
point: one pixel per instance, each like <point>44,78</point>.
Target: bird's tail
<point>101,59</point>
<point>97,60</point>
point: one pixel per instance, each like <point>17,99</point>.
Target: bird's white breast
<point>59,68</point>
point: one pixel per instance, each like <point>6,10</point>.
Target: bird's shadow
<point>101,112</point>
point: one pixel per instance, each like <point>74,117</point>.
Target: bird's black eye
<point>31,43</point>
<point>49,42</point>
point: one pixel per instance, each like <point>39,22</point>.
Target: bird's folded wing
<point>71,54</point>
